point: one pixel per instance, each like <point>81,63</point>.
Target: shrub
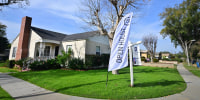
<point>177,59</point>
<point>76,63</point>
<point>52,64</point>
<point>166,59</point>
<point>143,59</point>
<point>64,58</point>
<point>93,60</point>
<point>45,65</point>
<point>155,60</point>
<point>105,59</point>
<point>96,60</point>
<point>10,63</point>
<point>19,62</point>
<point>37,65</point>
<point>147,60</point>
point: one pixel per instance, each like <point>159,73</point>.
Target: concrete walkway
<point>22,90</point>
<point>192,91</point>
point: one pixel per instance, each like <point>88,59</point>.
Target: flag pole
<point>107,79</point>
<point>131,63</point>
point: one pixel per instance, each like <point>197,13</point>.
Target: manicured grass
<point>150,82</point>
<point>192,69</point>
<point>2,64</point>
<point>4,95</point>
<point>6,69</point>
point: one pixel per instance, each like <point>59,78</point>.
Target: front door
<point>56,50</point>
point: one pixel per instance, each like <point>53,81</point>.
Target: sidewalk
<point>22,90</point>
<point>192,91</point>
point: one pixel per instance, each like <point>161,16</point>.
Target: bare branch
<point>105,15</point>
<point>150,43</point>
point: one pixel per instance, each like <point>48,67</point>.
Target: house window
<point>68,47</point>
<point>47,51</point>
<point>97,50</point>
<point>14,51</point>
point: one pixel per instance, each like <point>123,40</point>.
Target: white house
<point>35,42</point>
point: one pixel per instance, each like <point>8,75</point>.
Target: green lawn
<point>192,69</point>
<point>6,69</point>
<point>2,64</point>
<point>4,95</point>
<point>150,82</point>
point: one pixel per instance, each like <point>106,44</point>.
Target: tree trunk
<point>186,52</point>
<point>151,59</point>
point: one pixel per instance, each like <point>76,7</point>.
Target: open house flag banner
<point>119,50</point>
<point>136,55</point>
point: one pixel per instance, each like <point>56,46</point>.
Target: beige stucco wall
<point>34,38</point>
<point>98,40</point>
<point>78,47</point>
<point>13,44</point>
<point>165,55</point>
<point>91,48</point>
<point>143,54</point>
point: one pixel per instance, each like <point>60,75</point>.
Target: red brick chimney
<point>24,35</point>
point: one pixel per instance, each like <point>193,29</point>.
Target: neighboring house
<point>37,43</point>
<point>157,55</point>
<point>164,55</point>
<point>144,53</point>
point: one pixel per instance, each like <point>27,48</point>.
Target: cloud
<point>69,6</point>
<point>67,16</point>
<point>65,9</point>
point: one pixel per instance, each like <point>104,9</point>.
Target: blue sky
<point>62,16</point>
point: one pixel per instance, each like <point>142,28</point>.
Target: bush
<point>64,58</point>
<point>37,65</point>
<point>10,63</point>
<point>19,62</point>
<point>143,59</point>
<point>76,63</point>
<point>105,59</point>
<point>45,65</point>
<point>93,60</point>
<point>166,59</point>
<point>52,64</point>
<point>177,59</point>
<point>155,60</point>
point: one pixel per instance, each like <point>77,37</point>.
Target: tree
<point>150,43</point>
<point>105,15</point>
<point>182,24</point>
<point>64,58</point>
<point>21,3</point>
<point>3,40</point>
<point>195,51</point>
<point>2,30</point>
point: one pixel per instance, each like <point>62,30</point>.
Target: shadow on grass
<point>76,86</point>
<point>138,70</point>
<point>161,83</point>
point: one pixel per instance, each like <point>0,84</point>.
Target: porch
<point>46,50</point>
